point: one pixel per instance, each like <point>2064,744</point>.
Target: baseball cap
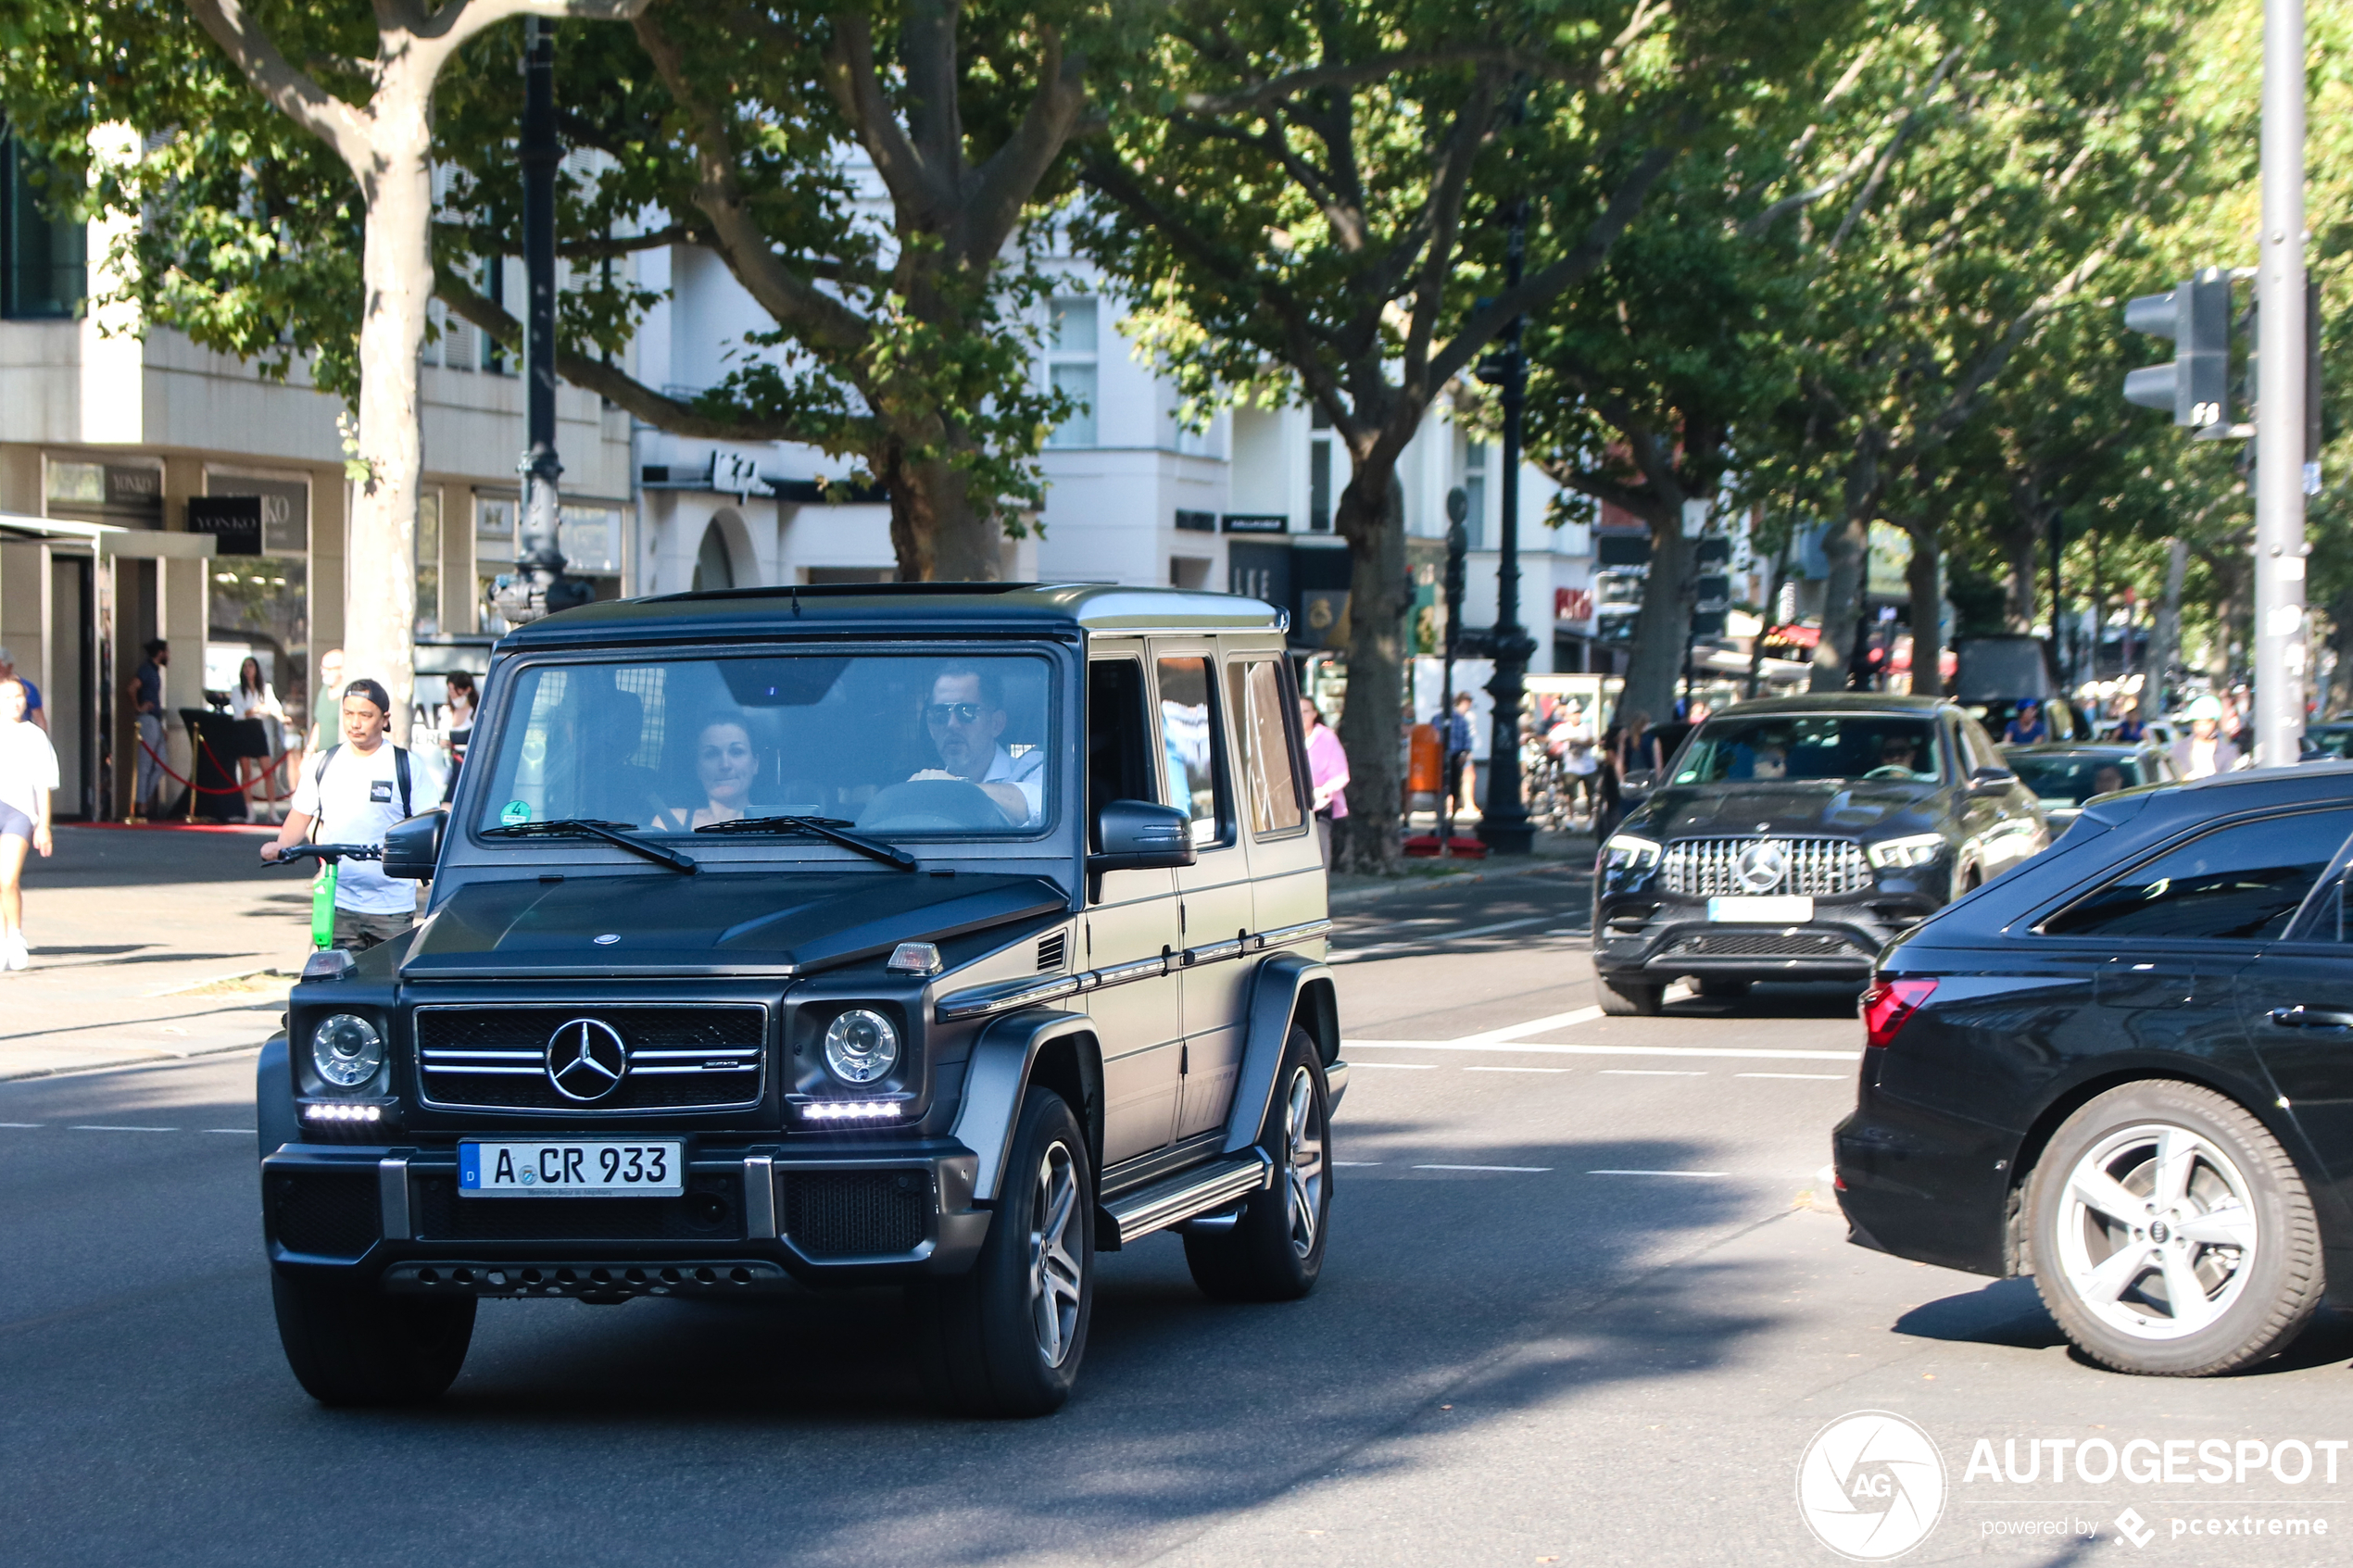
<point>373,691</point>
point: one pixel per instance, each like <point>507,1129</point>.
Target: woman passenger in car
<point>725,766</point>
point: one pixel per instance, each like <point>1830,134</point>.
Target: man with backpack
<point>354,792</point>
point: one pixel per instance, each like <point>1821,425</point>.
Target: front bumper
<point>1662,938</point>
<point>752,1219</point>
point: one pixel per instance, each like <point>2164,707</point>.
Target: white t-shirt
<point>1026,773</point>
<point>356,800</point>
<point>28,766</point>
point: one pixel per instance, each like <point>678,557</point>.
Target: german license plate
<point>572,1168</point>
<point>1769,909</point>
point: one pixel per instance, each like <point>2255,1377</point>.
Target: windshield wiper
<point>827,828</point>
<point>585,827</point>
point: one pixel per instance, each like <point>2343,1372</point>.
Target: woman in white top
<point>27,772</point>
<point>254,699</point>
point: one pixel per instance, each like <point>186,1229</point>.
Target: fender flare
<point>996,1077</point>
<point>1285,988</point>
<point>273,1106</point>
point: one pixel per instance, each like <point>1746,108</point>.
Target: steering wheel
<point>933,805</point>
<point>1890,771</point>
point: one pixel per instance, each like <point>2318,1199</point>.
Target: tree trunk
<point>2165,639</point>
<point>1925,579</point>
<point>1846,547</point>
<point>379,568</point>
<point>1662,626</point>
<point>1369,837</point>
<point>2022,548</point>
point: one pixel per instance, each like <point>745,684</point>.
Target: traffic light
<point>2196,315</point>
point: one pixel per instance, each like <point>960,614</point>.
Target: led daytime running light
<point>847,1110</point>
<point>342,1113</point>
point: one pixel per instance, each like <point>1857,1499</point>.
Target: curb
<point>149,1061</point>
<point>1357,896</point>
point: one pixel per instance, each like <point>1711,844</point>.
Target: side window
<point>1193,749</point>
<point>1269,782</point>
<point>2236,884</point>
<point>1118,738</point>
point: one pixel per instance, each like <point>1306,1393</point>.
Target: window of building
<point>44,261</point>
<point>1071,365</point>
<point>429,563</point>
<point>1319,485</point>
<point>1475,492</point>
<point>493,551</point>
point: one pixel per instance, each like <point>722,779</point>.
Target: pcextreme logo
<point>1871,1486</point>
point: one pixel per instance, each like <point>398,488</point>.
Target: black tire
<point>1723,990</point>
<point>1006,1338</point>
<point>2111,1281</point>
<point>1628,998</point>
<point>357,1347</point>
<point>1274,1249</point>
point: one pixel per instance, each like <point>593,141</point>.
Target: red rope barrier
<point>165,769</point>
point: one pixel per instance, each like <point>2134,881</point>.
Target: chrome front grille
<point>710,1057</point>
<point>1821,867</point>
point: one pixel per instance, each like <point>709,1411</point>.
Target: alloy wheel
<point>2156,1232</point>
<point>1304,1163</point>
<point>1054,1268</point>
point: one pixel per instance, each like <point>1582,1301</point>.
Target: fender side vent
<point>1050,951</point>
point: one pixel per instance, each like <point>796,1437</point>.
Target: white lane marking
<point>1349,955</point>
<point>1533,1026</point>
<point>241,1132</point>
<point>1504,1069</point>
<point>1724,1051</point>
<point>1819,1077</point>
<point>1656,1172</point>
<point>23,1124</point>
<point>1400,1066</point>
<point>97,1129</point>
<point>1358,1164</point>
<point>1651,1072</point>
<point>1521,1170</point>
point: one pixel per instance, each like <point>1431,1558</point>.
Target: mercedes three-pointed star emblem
<point>587,1059</point>
<point>1762,865</point>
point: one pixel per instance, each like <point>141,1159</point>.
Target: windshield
<point>1814,745</point>
<point>2072,778</point>
<point>896,745</point>
<point>2330,740</point>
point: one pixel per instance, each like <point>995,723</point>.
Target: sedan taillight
<point>1889,1005</point>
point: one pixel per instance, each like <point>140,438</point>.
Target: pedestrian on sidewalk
<point>146,705</point>
<point>354,792</point>
<point>1462,776</point>
<point>34,712</point>
<point>27,772</point>
<point>1326,774</point>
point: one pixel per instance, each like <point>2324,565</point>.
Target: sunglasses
<point>960,712</point>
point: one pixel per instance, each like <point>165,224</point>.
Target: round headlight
<point>860,1046</point>
<point>346,1050</point>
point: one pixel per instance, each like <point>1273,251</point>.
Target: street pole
<point>1504,827</point>
<point>1457,548</point>
<point>538,587</point>
<point>2281,474</point>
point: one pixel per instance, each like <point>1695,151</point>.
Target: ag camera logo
<point>1871,1486</point>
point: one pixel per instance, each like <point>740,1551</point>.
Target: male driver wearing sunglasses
<point>965,715</point>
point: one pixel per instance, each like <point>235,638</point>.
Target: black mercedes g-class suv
<point>1791,838</point>
<point>942,935</point>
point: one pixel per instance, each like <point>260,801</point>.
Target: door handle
<point>2300,1017</point>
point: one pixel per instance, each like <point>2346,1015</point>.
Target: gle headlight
<point>1899,854</point>
<point>860,1046</point>
<point>1626,851</point>
<point>346,1050</point>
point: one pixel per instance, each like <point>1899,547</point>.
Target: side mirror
<point>1991,780</point>
<point>1637,783</point>
<point>413,848</point>
<point>1140,835</point>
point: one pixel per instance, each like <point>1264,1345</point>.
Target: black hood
<point>714,923</point>
<point>1861,808</point>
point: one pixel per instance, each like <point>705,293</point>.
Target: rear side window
<point>1192,748</point>
<point>2241,883</point>
<point>1269,783</point>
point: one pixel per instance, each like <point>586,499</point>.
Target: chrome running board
<point>1189,1193</point>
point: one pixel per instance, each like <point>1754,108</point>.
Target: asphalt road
<point>1585,1303</point>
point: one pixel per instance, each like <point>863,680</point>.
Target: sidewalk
<point>150,944</point>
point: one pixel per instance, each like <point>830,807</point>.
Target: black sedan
<point>1790,839</point>
<point>2065,777</point>
<point>2128,1071</point>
